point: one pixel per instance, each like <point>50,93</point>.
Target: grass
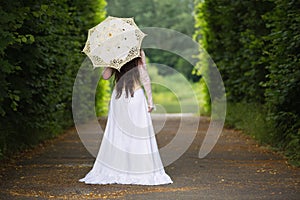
<point>173,92</point>
<point>251,118</point>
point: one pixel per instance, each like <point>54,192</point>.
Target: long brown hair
<point>127,77</point>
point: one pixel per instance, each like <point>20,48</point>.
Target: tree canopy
<point>40,51</point>
<point>255,45</point>
<point>176,15</point>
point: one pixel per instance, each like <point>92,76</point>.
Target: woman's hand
<point>150,109</point>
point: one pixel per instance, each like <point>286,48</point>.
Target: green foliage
<point>163,97</point>
<point>40,51</point>
<point>171,93</point>
<point>252,118</point>
<point>283,63</point>
<point>255,45</point>
<point>231,34</point>
<point>202,67</point>
<point>102,97</point>
<point>171,14</point>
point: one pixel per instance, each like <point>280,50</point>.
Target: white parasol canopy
<point>113,42</point>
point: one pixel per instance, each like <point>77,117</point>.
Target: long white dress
<point>128,153</point>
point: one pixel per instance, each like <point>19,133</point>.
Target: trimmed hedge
<point>40,51</point>
<point>255,45</point>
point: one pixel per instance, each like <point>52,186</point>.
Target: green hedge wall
<point>255,45</point>
<point>40,49</point>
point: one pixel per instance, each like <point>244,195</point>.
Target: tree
<point>40,51</point>
<point>176,15</point>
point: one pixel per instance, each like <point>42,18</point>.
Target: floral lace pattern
<point>114,42</point>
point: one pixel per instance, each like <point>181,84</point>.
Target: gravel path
<point>237,168</point>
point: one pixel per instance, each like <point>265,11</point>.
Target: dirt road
<point>237,168</point>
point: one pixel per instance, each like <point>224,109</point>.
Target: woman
<point>128,153</point>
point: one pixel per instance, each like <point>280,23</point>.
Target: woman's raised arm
<point>107,72</point>
<point>145,81</point>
